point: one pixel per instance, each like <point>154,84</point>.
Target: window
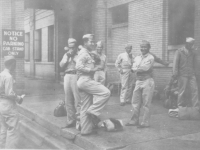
<point>120,14</point>
<point>27,47</point>
<point>181,21</point>
<point>38,47</point>
<point>51,43</point>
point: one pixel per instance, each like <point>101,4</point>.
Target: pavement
<point>164,133</point>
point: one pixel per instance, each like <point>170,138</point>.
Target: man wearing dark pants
<point>183,69</point>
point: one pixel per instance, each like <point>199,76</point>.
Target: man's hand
<point>97,68</point>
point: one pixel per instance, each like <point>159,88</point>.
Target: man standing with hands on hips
<point>123,64</point>
<point>90,107</point>
<point>72,97</point>
<point>144,88</point>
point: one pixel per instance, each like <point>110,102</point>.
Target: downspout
<point>106,32</point>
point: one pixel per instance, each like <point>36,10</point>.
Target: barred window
<point>181,21</point>
<point>120,14</point>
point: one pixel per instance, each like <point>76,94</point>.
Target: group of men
<point>85,92</point>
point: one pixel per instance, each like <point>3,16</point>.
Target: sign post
<point>13,43</point>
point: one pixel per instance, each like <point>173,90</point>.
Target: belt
<point>71,72</point>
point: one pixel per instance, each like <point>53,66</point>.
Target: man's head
<point>88,40</point>
<point>128,48</point>
<point>10,62</point>
<point>189,44</point>
<point>99,47</point>
<point>145,47</point>
<point>71,46</point>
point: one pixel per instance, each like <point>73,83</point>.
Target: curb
<point>70,134</point>
<point>42,137</point>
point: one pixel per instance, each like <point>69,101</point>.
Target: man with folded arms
<point>144,88</point>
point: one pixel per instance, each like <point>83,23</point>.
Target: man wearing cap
<point>123,64</point>
<point>72,96</point>
<point>144,88</point>
<point>90,108</point>
<point>100,75</point>
<point>183,69</point>
<point>8,110</point>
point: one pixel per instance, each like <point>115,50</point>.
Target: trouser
<point>142,93</point>
<point>9,120</point>
<point>127,81</point>
<point>100,76</point>
<point>88,89</point>
<point>182,84</point>
<point>72,97</point>
<point>198,83</point>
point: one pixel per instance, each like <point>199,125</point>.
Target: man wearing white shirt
<point>144,88</point>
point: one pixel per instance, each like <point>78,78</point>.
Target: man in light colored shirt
<point>100,76</point>
<point>144,88</point>
<point>8,110</point>
<point>123,64</point>
<point>72,96</point>
<point>90,107</point>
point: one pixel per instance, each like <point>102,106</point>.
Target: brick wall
<point>12,17</point>
<point>147,20</point>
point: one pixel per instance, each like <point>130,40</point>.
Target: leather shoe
<point>122,103</point>
<point>95,119</point>
<point>142,126</point>
<point>132,124</point>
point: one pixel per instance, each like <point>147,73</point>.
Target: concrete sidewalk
<point>165,133</point>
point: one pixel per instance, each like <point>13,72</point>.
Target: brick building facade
<point>12,17</point>
<point>48,25</point>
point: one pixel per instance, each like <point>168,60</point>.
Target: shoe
<point>95,119</point>
<point>142,126</point>
<point>132,123</point>
<point>128,102</point>
<point>71,125</point>
<point>122,103</point>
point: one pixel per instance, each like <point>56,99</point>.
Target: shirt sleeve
<point>135,66</point>
<point>64,61</point>
<point>9,88</point>
<point>146,65</point>
<point>176,63</point>
<point>81,64</point>
<point>158,60</point>
<point>118,62</point>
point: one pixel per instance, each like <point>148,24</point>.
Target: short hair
<point>9,63</point>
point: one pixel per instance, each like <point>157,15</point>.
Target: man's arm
<point>146,66</point>
<point>118,63</point>
<point>80,64</point>
<point>9,93</point>
<point>158,60</point>
<point>176,64</point>
<point>103,63</point>
<point>64,61</point>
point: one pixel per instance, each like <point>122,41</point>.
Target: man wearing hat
<point>90,108</point>
<point>144,88</point>
<point>8,110</point>
<point>183,69</point>
<point>123,64</point>
<point>72,96</point>
<point>100,75</point>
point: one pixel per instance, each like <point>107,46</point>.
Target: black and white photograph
<point>100,74</point>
